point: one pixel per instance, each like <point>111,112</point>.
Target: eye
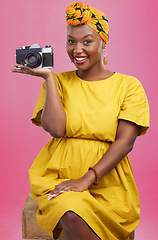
<point>70,41</point>
<point>86,42</point>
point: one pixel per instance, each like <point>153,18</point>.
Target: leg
<point>75,228</point>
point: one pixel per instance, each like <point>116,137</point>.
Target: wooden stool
<point>30,228</point>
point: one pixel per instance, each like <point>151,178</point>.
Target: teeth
<point>80,59</point>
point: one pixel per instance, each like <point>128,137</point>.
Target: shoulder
<point>61,79</point>
<point>128,81</point>
<point>127,78</point>
<point>64,75</point>
<point>132,88</point>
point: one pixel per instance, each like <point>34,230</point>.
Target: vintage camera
<point>35,57</point>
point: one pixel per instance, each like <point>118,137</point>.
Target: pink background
<point>132,49</point>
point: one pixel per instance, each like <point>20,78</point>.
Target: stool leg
<point>132,235</point>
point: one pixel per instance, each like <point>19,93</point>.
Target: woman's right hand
<point>39,72</point>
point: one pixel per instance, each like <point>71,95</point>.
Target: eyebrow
<point>83,37</point>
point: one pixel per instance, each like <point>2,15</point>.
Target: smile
<point>80,60</point>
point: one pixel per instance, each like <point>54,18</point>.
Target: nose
<point>78,48</point>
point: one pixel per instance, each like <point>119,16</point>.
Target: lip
<point>80,59</point>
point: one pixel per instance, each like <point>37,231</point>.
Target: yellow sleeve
<point>36,117</point>
<point>135,107</point>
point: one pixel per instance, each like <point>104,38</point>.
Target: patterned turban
<point>79,14</point>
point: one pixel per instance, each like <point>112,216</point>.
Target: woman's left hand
<point>76,185</point>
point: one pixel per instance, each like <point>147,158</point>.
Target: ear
<point>103,45</point>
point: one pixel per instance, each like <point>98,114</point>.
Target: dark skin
<point>83,43</point>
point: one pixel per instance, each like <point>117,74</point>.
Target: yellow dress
<point>92,109</point>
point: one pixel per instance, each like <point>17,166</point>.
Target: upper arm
<point>134,105</point>
<point>127,131</point>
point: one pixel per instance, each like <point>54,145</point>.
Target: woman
<point>82,179</point>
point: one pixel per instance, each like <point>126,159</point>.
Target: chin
<point>81,67</point>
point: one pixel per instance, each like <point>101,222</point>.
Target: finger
<point>21,69</point>
<point>22,66</point>
<point>53,195</point>
<point>58,184</point>
<point>66,189</point>
<point>17,65</point>
<point>56,191</point>
<point>62,187</point>
<point>18,71</point>
<point>61,183</point>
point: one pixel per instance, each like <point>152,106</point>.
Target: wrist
<point>96,175</point>
<point>48,76</point>
<point>89,178</point>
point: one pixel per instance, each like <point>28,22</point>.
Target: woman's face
<point>84,47</point>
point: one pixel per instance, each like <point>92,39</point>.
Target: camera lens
<point>33,60</point>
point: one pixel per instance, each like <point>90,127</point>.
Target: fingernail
<point>51,196</point>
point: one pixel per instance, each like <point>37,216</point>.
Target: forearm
<point>117,151</point>
<point>53,115</point>
<point>125,138</point>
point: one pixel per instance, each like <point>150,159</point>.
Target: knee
<point>69,220</point>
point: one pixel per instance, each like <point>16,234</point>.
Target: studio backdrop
<point>132,49</point>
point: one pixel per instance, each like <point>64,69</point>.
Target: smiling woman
<point>82,179</point>
<point>84,47</point>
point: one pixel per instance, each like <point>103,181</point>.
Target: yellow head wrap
<point>79,14</point>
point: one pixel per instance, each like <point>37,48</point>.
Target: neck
<point>92,74</point>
